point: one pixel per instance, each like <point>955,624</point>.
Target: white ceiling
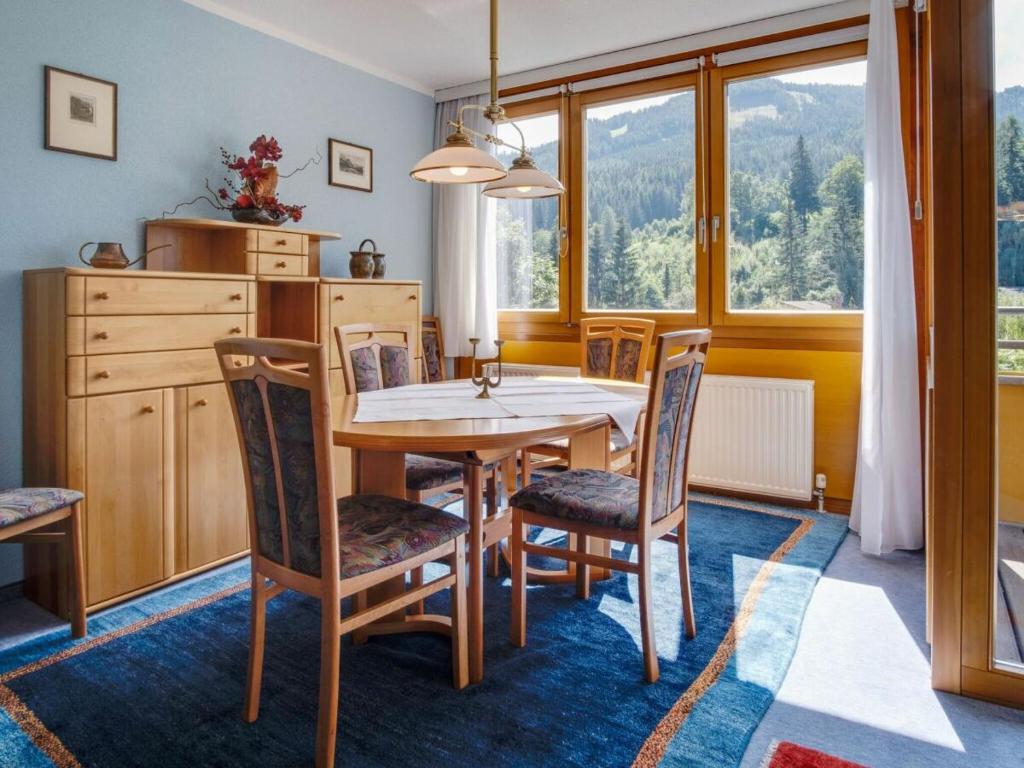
<point>433,44</point>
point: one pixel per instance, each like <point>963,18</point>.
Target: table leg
<point>589,450</point>
<point>473,509</point>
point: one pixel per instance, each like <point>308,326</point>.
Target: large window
<point>529,231</point>
<point>639,216</point>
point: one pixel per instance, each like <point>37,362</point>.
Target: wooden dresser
<point>123,397</point>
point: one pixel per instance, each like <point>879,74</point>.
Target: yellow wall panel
<point>836,393</point>
<point>1011,453</point>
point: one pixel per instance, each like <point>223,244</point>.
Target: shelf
<point>223,224</point>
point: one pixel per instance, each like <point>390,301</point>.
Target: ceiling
<point>433,44</point>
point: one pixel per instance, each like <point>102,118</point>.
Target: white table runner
<point>518,396</point>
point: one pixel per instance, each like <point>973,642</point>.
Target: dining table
<point>379,449</point>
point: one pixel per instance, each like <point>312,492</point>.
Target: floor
<point>858,686</point>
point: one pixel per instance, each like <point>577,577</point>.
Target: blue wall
<point>188,83</point>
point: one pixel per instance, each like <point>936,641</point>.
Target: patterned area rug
<point>786,754</point>
<point>160,681</point>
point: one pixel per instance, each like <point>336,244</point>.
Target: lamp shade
<point>458,162</point>
<point>525,181</point>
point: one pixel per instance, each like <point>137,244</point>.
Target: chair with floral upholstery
<point>24,511</point>
<point>432,345</point>
<point>305,540</point>
<point>608,505</point>
<point>610,348</point>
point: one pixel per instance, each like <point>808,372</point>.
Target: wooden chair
<point>610,348</point>
<point>23,511</point>
<point>432,344</point>
<point>304,540</point>
<point>608,505</point>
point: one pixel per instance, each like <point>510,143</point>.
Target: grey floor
<point>858,686</point>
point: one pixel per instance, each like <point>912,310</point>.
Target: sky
<point>1009,24</point>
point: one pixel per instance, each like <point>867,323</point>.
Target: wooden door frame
<point>962,484</point>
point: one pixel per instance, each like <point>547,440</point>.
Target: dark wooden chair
<point>24,511</point>
<point>305,540</point>
<point>610,348</point>
<point>609,505</point>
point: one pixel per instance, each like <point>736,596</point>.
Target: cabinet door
<point>128,483</point>
<point>215,495</point>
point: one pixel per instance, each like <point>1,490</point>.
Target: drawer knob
<point>238,363</point>
<point>281,264</point>
<point>203,402</point>
<point>282,241</point>
<point>102,335</point>
<point>339,297</point>
<point>412,297</point>
<point>236,329</point>
<point>103,374</point>
<point>102,295</point>
<point>236,297</point>
<point>148,409</point>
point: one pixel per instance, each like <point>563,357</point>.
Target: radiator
<point>530,369</point>
<point>754,435</point>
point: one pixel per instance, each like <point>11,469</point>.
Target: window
<point>794,221</point>
<point>639,215</point>
<point>529,231</point>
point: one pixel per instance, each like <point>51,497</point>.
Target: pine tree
<point>1009,162</point>
<point>595,268</point>
<point>803,187</point>
<point>626,267</point>
<point>790,277</point>
<point>843,190</point>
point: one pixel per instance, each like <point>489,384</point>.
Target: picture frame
<point>349,165</point>
<point>80,114</point>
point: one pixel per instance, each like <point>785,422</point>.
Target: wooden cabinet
<point>212,498</point>
<point>128,471</point>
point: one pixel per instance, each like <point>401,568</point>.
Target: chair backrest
<point>678,365</point>
<point>283,419</point>
<point>433,349</point>
<point>615,347</point>
<point>377,355</point>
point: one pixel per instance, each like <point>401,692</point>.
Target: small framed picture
<point>351,166</point>
<point>81,114</point>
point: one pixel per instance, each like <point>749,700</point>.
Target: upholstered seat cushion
<point>424,472</point>
<point>17,504</point>
<point>585,495</point>
<point>617,441</point>
<point>378,531</point>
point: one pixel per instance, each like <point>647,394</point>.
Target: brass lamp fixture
<point>459,161</point>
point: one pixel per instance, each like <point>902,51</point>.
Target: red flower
<point>223,193</point>
<point>263,148</point>
<point>243,201</point>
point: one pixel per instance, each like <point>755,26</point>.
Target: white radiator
<point>754,435</point>
<point>530,369</point>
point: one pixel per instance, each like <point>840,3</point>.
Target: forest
<point>1010,222</point>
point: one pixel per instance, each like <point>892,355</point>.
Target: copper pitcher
<point>112,255</point>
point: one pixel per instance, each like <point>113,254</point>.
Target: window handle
<point>702,232</point>
<point>563,236</point>
<point>716,222</point>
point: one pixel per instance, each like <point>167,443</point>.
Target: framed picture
<point>81,114</point>
<point>351,166</point>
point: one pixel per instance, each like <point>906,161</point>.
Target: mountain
<point>1010,101</point>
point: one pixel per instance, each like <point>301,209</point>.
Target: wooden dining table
<point>378,466</point>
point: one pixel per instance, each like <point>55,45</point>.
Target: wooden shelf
<point>223,224</point>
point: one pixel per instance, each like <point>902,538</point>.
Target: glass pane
<point>528,230</point>
<point>1009,114</point>
<point>639,217</point>
<point>795,222</point>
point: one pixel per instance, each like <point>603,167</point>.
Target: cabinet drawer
<point>148,333</point>
<point>363,303</point>
<point>280,264</point>
<point>280,242</point>
<point>100,374</point>
<point>159,296</point>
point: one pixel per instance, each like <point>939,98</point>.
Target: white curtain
<point>887,497</point>
<point>465,278</point>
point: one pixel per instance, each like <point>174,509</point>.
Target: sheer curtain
<point>887,497</point>
<point>465,254</point>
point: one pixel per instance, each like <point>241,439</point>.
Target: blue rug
<point>160,681</point>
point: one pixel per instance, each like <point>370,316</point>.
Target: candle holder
<point>486,381</point>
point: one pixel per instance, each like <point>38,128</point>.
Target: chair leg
<point>491,499</point>
<point>524,469</point>
<point>78,622</point>
<point>257,634</point>
<point>582,569</point>
<point>460,630</point>
<point>330,668</point>
<point>647,615</point>
<point>359,636</point>
<point>690,620</point>
<point>517,624</point>
<point>416,580</point>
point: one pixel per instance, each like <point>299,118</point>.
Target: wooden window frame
<point>821,322</point>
